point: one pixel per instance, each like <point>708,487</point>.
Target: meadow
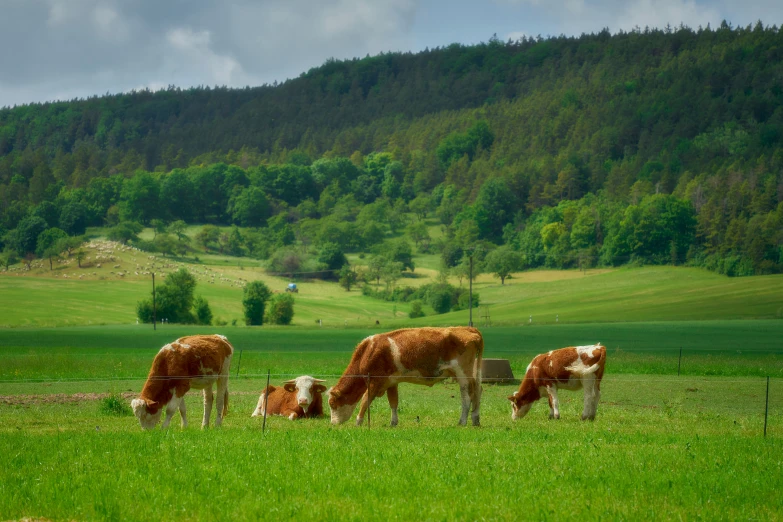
<point>675,438</point>
<point>108,294</point>
<point>663,446</point>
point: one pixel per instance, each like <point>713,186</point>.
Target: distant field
<point>730,348</point>
<point>68,296</point>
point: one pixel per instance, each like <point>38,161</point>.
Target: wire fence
<point>738,400</point>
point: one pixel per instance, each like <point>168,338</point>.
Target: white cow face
<point>305,387</point>
<point>519,406</point>
<point>147,420</point>
<point>339,413</point>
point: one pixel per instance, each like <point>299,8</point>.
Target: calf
<point>300,397</point>
<point>197,361</point>
<point>415,355</point>
<point>568,368</point>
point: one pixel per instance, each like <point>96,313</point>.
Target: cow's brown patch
<point>415,355</point>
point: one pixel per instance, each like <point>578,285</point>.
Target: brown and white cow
<point>569,369</point>
<point>415,355</point>
<point>196,361</point>
<point>298,398</point>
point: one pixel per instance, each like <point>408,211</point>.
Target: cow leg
<point>208,400</point>
<point>182,413</point>
<point>554,403</point>
<point>465,393</point>
<point>475,401</point>
<point>393,397</point>
<point>363,407</point>
<point>259,411</point>
<point>222,391</point>
<point>171,408</point>
<point>591,397</point>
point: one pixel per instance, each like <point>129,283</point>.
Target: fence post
<point>266,401</point>
<point>766,409</point>
<point>679,362</point>
<point>239,364</point>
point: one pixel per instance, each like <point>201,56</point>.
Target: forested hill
<point>600,124</point>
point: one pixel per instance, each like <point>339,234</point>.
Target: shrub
<point>256,294</point>
<point>114,404</point>
<point>440,298</point>
<point>416,310</point>
<point>203,312</point>
<point>462,301</point>
<point>281,309</point>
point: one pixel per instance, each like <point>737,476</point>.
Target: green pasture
<point>728,348</point>
<point>663,446</point>
<point>567,297</point>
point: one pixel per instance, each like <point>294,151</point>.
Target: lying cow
<point>415,355</point>
<point>300,397</point>
<point>567,368</point>
<point>197,361</point>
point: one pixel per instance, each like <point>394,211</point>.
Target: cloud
<point>53,49</point>
<point>659,13</point>
<point>67,48</point>
<point>584,16</point>
<point>515,35</point>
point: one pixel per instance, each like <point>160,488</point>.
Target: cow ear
<point>319,388</point>
<point>290,387</point>
<point>512,398</point>
<point>334,394</point>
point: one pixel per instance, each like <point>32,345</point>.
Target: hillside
<point>654,147</point>
<point>113,278</point>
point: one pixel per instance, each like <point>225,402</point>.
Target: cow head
<point>522,402</point>
<point>340,410</point>
<point>306,389</point>
<point>142,409</point>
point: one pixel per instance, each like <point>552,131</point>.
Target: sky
<point>65,49</point>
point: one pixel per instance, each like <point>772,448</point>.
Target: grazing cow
<point>567,368</point>
<point>300,397</point>
<point>197,361</point>
<point>415,355</point>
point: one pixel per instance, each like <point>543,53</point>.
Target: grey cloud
<point>65,48</point>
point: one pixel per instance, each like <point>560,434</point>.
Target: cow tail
<point>597,366</point>
<point>225,402</point>
<point>477,365</point>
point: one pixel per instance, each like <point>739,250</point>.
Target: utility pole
<point>154,307</point>
<point>470,293</point>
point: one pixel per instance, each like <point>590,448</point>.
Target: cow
<point>298,398</point>
<point>196,361</point>
<point>415,355</point>
<point>569,369</point>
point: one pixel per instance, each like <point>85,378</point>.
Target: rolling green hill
<point>108,294</point>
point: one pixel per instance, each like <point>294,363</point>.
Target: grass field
<point>69,296</point>
<point>662,447</point>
